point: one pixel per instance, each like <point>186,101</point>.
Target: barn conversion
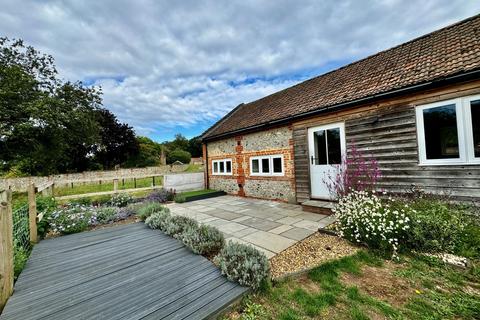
<point>415,108</point>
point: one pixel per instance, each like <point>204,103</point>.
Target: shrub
<point>101,200</point>
<point>45,205</point>
<point>85,201</point>
<point>70,219</point>
<point>162,196</point>
<point>357,172</point>
<point>176,225</point>
<point>205,240</point>
<point>435,226</point>
<point>120,199</point>
<point>244,264</point>
<point>157,220</point>
<point>104,215</point>
<point>179,155</point>
<point>149,208</point>
<point>20,257</point>
<point>180,198</point>
<point>124,213</point>
<point>364,218</point>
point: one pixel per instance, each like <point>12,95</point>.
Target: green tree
<point>118,141</point>
<point>148,155</point>
<point>195,147</point>
<point>179,155</point>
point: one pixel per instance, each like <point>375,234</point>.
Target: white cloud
<point>168,65</point>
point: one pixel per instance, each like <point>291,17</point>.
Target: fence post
<point>32,213</point>
<point>6,247</point>
<point>115,185</point>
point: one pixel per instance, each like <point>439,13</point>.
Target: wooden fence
<point>7,238</point>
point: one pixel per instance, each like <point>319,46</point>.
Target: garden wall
<point>20,184</point>
<point>240,149</point>
<point>184,181</point>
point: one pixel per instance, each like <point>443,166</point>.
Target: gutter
<point>471,75</point>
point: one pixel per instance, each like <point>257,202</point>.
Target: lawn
<point>197,192</point>
<point>365,286</point>
<point>106,186</point>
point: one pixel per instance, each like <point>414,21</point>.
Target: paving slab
<point>269,241</point>
<point>297,233</point>
<point>260,224</point>
<point>281,229</point>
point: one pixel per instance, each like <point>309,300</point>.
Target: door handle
<point>311,157</point>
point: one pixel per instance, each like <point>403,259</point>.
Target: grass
<point>346,289</point>
<point>106,186</point>
<point>194,168</point>
<point>197,192</point>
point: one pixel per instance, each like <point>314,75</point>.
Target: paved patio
<point>267,225</point>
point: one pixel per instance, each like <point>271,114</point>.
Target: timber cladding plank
<point>127,272</point>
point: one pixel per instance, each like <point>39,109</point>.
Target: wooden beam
<point>6,248</point>
<point>32,213</point>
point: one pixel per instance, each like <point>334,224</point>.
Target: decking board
<point>125,272</point>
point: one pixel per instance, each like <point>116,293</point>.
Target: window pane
<point>215,167</point>
<point>441,136</point>
<point>229,166</point>
<point>475,110</point>
<point>277,165</point>
<point>334,148</point>
<point>266,165</point>
<point>222,167</point>
<point>320,148</point>
<point>255,168</point>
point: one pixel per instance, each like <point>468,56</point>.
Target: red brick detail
<point>240,170</point>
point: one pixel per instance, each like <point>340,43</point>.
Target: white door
<point>326,145</point>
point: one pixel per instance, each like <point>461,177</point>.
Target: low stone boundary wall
<point>21,184</point>
<point>184,181</point>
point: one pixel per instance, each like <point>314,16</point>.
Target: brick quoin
<point>240,170</point>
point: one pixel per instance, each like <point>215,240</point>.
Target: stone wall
<point>240,149</point>
<point>21,184</point>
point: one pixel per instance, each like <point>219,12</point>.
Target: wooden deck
<point>125,272</point>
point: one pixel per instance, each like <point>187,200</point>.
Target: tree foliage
<point>179,155</point>
<point>49,126</point>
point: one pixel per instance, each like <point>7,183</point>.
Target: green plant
<point>45,206</point>
<point>176,225</point>
<point>252,311</point>
<point>20,257</point>
<point>70,219</point>
<point>179,155</point>
<point>157,220</point>
<point>363,217</point>
<point>105,215</point>
<point>180,198</point>
<point>147,209</point>
<point>244,264</point>
<point>120,199</point>
<point>205,240</point>
<point>434,226</point>
<point>85,201</point>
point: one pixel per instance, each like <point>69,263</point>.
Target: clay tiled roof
<point>449,51</point>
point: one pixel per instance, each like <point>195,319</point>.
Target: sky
<point>168,67</point>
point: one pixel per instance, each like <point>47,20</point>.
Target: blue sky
<point>168,67</point>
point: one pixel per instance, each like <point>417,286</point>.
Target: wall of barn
<point>387,132</point>
<point>240,148</point>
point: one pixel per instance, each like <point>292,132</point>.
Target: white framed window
<point>267,165</point>
<point>222,167</point>
<point>449,132</point>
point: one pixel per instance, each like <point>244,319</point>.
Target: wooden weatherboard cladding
<point>387,132</point>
